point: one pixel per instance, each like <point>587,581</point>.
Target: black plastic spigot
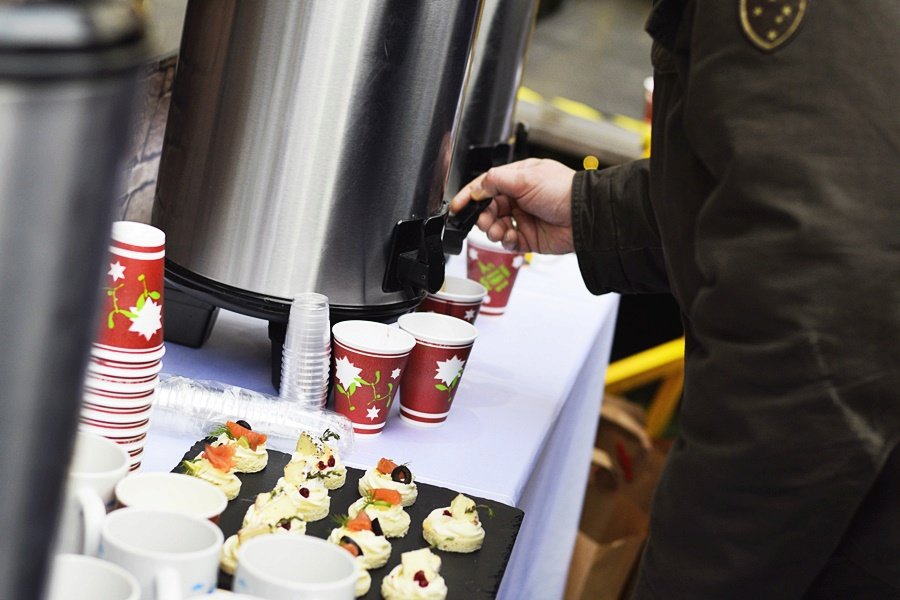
<point>416,258</point>
<point>478,161</point>
<point>459,225</point>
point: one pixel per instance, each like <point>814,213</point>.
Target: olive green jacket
<point>770,208</point>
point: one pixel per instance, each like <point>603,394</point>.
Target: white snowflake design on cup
<point>147,319</point>
<point>448,372</point>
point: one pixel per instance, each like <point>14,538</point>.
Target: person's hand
<point>532,207</point>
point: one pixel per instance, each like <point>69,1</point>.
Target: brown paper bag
<point>615,518</point>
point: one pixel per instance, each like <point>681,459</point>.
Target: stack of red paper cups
<point>126,357</point>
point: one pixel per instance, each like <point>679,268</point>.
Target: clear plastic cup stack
<point>190,408</point>
<point>306,357</point>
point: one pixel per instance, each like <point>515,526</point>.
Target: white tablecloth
<point>522,425</point>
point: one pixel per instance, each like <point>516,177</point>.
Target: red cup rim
<point>122,410</point>
<point>135,357</point>
<point>112,368</point>
<point>460,289</point>
<point>138,235</point>
<point>372,338</point>
<point>438,329</point>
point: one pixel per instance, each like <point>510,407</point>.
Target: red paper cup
<point>369,359</point>
<point>494,268</point>
<point>140,358</point>
<point>115,431</point>
<point>435,366</point>
<point>102,416</point>
<point>120,385</point>
<point>108,368</point>
<point>129,439</point>
<point>119,401</point>
<point>648,100</point>
<point>132,306</point>
<point>458,297</point>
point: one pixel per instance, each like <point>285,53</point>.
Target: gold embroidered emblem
<point>769,24</point>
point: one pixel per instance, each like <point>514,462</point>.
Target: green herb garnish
<point>371,501</point>
<point>490,511</point>
<point>219,430</point>
<point>328,434</point>
<point>340,520</point>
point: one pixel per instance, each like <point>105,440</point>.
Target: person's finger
<point>463,196</point>
<point>505,180</point>
<point>512,237</point>
<point>510,240</point>
<point>501,206</point>
<point>496,231</point>
<point>485,220</point>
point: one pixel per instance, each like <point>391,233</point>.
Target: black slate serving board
<point>468,576</point>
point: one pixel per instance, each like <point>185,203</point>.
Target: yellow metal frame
<point>663,363</point>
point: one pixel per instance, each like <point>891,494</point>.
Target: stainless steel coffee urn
<point>307,149</point>
<point>68,81</point>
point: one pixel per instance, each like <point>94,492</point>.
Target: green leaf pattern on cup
<point>350,379</point>
<point>146,325</point>
<point>494,277</point>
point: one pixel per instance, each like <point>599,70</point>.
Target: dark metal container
<point>68,81</point>
<point>487,134</point>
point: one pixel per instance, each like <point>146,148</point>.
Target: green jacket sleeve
<point>615,233</point>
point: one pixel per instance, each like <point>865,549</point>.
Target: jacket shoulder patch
<point>769,24</point>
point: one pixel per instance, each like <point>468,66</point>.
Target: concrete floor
<point>595,52</point>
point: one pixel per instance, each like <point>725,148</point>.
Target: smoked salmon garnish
<point>386,466</point>
<point>392,497</point>
<point>220,457</point>
<point>238,431</point>
<point>361,522</point>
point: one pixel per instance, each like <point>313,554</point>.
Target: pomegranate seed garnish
<point>447,513</point>
<point>304,492</point>
<point>321,466</point>
<point>331,461</point>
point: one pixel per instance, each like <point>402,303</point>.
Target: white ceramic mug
<point>289,567</point>
<point>172,555</point>
<point>75,577</point>
<point>97,466</point>
<point>172,491</point>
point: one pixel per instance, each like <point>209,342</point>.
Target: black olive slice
<point>244,424</point>
<point>347,540</point>
<point>401,474</point>
<point>376,527</point>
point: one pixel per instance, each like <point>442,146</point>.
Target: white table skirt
<point>522,425</point>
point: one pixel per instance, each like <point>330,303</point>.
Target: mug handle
<point>167,585</point>
<point>93,511</point>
